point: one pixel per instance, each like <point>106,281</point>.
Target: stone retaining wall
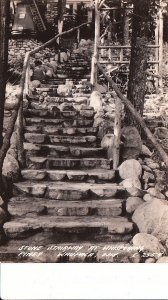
<point>18,48</point>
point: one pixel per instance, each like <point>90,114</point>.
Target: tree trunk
<point>139,57</point>
<point>4,33</point>
<point>126,25</point>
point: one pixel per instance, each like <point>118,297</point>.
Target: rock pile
<point>147,205</point>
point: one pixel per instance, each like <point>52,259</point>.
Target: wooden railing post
<point>160,47</point>
<point>117,133</point>
<point>78,36</point>
<point>94,70</point>
<point>157,52</point>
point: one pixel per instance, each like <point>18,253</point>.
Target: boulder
<point>152,218</point>
<point>64,90</point>
<point>151,163</point>
<point>161,132</point>
<point>12,152</point>
<point>132,204</point>
<point>98,118</point>
<point>148,177</point>
<point>96,101</point>
<point>145,151</point>
<point>150,260</point>
<point>133,186</point>
<point>132,143</point>
<point>154,192</point>
<point>130,169</point>
<point>11,102</point>
<point>35,84</point>
<point>148,197</point>
<point>163,260</point>
<point>14,140</point>
<point>147,169</point>
<point>11,168</point>
<point>149,244</point>
<point>82,43</point>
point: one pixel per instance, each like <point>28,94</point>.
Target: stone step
<point>34,207</point>
<point>46,89</point>
<point>53,112</point>
<point>68,191</point>
<point>65,81</point>
<point>60,130</point>
<point>88,140</point>
<point>75,62</point>
<point>92,175</point>
<point>59,100</point>
<point>51,163</point>
<point>59,229</point>
<point>81,122</point>
<point>62,151</point>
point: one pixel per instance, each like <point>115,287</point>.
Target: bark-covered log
<point>117,133</point>
<point>4,35</point>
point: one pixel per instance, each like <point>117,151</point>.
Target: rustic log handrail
<point>125,47</point>
<point>18,111</point>
<point>136,116</point>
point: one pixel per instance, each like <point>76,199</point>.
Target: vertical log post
<point>160,47</point>
<point>117,133</point>
<point>94,71</point>
<point>157,51</point>
<point>78,36</point>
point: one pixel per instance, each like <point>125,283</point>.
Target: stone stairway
<point>69,192</point>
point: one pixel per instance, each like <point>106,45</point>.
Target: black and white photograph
<point>84,131</point>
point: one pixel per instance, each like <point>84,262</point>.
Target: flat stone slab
<point>22,206</point>
<point>72,139</point>
<point>75,175</point>
<point>34,149</point>
<point>45,149</point>
<point>20,228</point>
<point>36,138</point>
<point>67,191</point>
<point>67,163</point>
<point>64,122</point>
